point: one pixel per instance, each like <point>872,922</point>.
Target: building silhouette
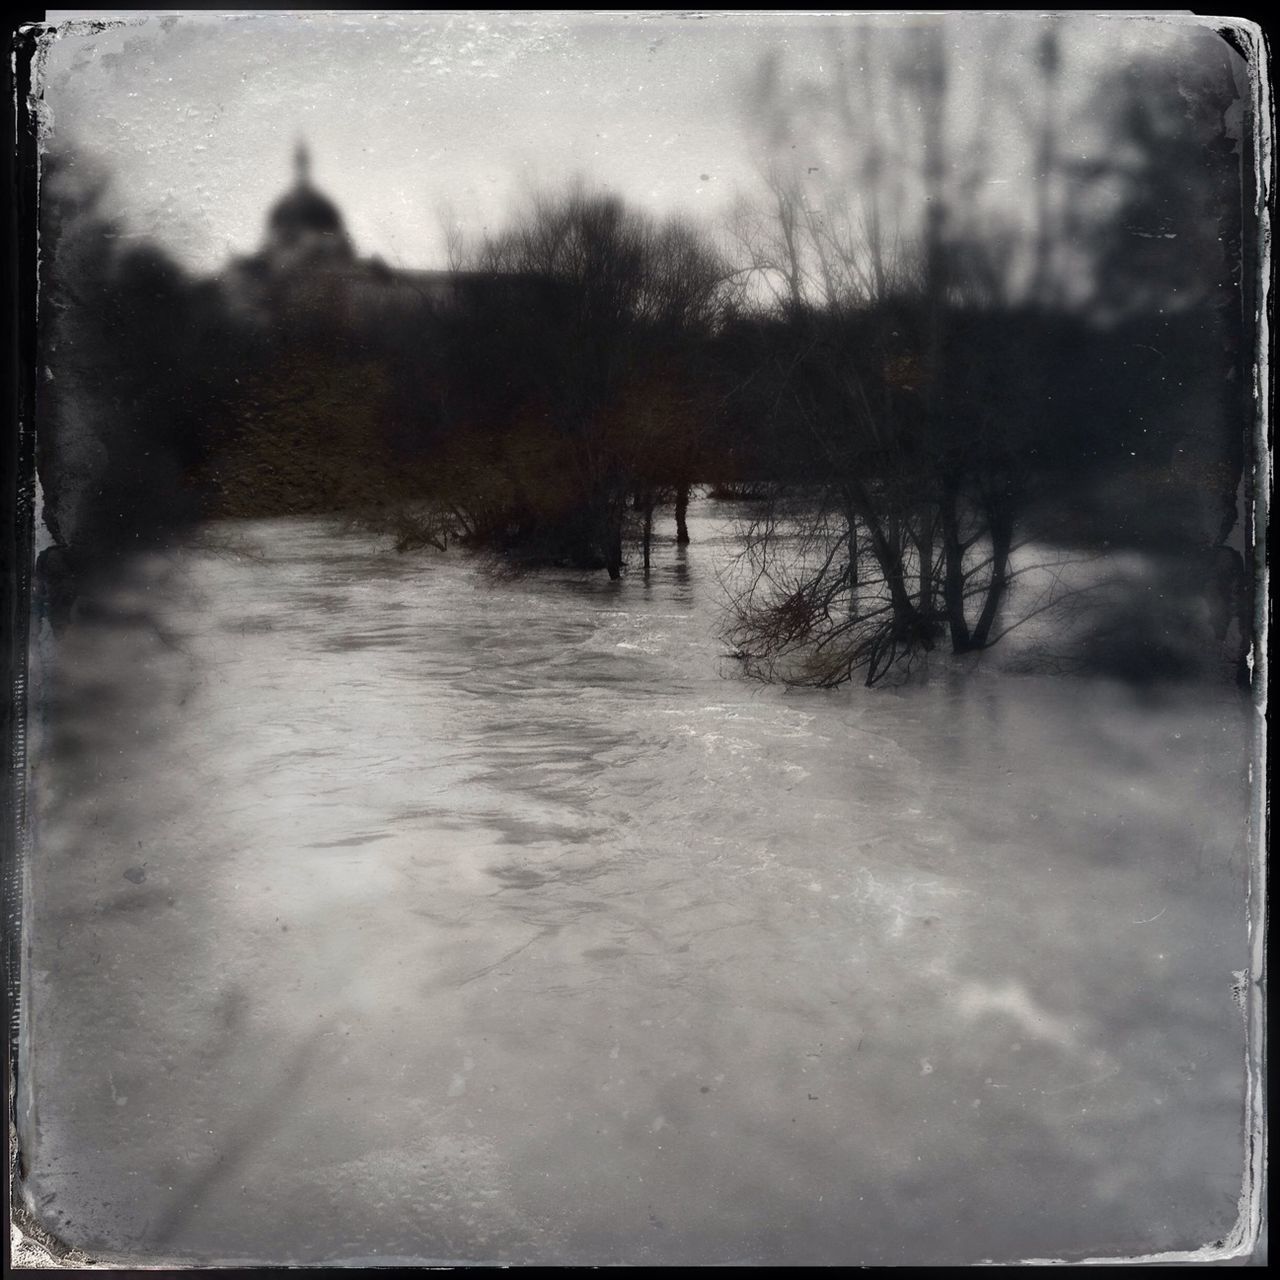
<point>307,276</point>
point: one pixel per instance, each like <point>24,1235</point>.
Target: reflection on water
<point>385,910</point>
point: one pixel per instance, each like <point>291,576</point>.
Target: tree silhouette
<point>575,395</point>
<point>137,358</point>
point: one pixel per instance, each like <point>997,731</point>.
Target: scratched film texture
<point>461,836</point>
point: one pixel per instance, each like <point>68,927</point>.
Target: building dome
<point>305,220</point>
<point>304,210</point>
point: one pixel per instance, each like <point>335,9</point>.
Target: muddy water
<point>380,910</point>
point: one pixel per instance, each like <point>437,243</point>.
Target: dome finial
<point>302,163</point>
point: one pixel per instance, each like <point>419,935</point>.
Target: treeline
<point>600,363</point>
<point>136,360</point>
<point>905,411</point>
<point>905,451</point>
<point>595,365</point>
<point>573,385</point>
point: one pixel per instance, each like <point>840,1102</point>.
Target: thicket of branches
<point>947,386</point>
<point>578,387</point>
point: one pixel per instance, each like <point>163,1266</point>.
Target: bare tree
<point>583,363</point>
<point>916,470</point>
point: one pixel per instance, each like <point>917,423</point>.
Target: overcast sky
<point>197,114</point>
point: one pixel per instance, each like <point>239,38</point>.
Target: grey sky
<point>197,114</point>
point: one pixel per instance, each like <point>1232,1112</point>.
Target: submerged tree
<point>575,397</point>
<point>912,487</point>
<point>935,369</point>
<point>908,481</point>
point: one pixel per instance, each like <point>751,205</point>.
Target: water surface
<point>381,910</point>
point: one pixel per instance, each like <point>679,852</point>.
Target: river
<point>381,909</point>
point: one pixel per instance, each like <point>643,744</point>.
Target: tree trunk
<point>1001,542</point>
<point>851,521</point>
<point>925,546</point>
<point>889,553</point>
<point>682,508</point>
<point>889,556</point>
<point>648,533</point>
<point>613,549</point>
<point>953,576</point>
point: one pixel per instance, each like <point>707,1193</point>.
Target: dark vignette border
<point>17,495</point>
<point>19,275</point>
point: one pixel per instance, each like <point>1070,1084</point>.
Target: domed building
<point>307,276</point>
<point>305,225</point>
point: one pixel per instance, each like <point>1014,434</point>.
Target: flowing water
<point>381,910</point>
